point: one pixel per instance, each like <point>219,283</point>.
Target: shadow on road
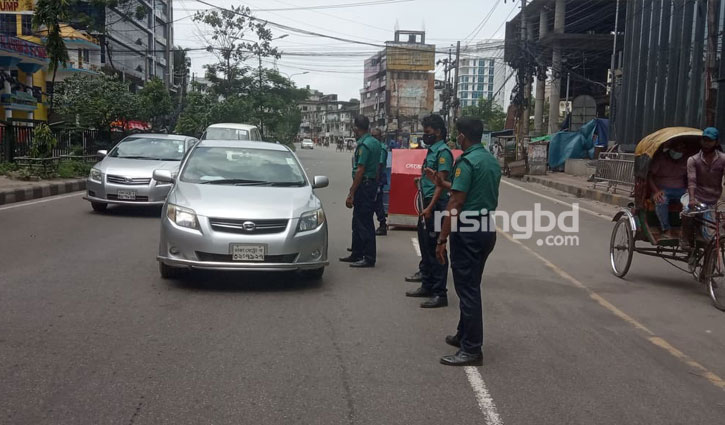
<point>131,211</point>
<point>239,281</point>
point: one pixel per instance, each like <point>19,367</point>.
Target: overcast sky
<point>375,21</point>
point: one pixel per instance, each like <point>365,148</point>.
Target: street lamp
<point>289,77</point>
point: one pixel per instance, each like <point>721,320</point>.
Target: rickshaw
<point>637,228</point>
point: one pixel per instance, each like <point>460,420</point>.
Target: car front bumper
<point>107,193</point>
<point>209,249</point>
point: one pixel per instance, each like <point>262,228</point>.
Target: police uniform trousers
<point>434,274</point>
<point>363,225</point>
<point>379,206</point>
<point>469,251</point>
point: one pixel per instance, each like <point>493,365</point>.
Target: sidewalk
<point>18,190</point>
<point>581,188</point>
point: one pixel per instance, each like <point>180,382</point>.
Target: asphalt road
<point>90,334</point>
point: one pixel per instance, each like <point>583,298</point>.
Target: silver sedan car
<point>124,176</point>
<point>240,205</point>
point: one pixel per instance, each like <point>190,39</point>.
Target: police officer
<point>382,229</point>
<point>362,195</point>
<point>475,184</point>
<point>438,161</point>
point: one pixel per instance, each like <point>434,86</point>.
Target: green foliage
<point>43,142</point>
<point>195,116</point>
<point>492,115</point>
<point>7,167</point>
<point>50,14</point>
<point>96,102</point>
<point>155,103</point>
<point>71,169</point>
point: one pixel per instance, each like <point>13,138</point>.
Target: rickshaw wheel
<point>621,247</point>
<point>716,272</point>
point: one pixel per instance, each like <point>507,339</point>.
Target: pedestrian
<point>438,162</point>
<point>382,229</point>
<point>361,197</point>
<point>474,194</point>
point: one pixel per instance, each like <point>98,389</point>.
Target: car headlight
<point>96,175</point>
<point>183,217</point>
<point>311,220</point>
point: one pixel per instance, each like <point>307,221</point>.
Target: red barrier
<point>406,167</point>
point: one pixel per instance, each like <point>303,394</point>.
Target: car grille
<point>128,181</point>
<point>138,198</point>
<point>227,258</point>
<point>261,227</point>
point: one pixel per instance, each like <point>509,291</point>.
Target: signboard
<point>409,57</point>
<point>25,48</point>
<point>16,6</point>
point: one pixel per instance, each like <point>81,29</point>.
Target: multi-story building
<point>140,45</point>
<point>324,118</point>
<point>483,76</point>
<point>399,83</point>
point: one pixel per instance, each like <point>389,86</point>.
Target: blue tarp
<point>578,144</point>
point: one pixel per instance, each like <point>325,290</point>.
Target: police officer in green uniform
<point>361,197</point>
<point>438,162</point>
<point>382,181</point>
<point>474,186</point>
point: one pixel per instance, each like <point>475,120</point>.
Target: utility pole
<point>612,67</point>
<point>523,83</point>
<point>261,104</point>
<point>455,81</point>
<point>711,71</point>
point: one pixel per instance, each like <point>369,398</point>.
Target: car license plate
<point>247,252</point>
<point>127,195</point>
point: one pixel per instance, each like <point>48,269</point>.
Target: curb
<point>41,190</point>
<point>582,192</point>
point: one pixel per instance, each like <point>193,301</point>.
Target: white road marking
<point>416,246</point>
<point>485,402</point>
<point>41,201</point>
<point>558,201</point>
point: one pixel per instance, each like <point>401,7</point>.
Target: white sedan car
<point>307,144</point>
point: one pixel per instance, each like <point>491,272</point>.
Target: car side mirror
<point>163,176</point>
<point>320,182</point>
<point>102,153</point>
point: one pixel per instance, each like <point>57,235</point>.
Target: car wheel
<point>168,272</point>
<point>313,274</point>
<point>99,206</point>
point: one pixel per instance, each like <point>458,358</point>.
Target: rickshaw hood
<point>649,145</point>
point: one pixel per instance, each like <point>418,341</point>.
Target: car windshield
<point>243,167</point>
<point>149,148</point>
<point>217,133</point>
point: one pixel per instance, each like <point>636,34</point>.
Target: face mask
<point>675,155</point>
<point>429,139</point>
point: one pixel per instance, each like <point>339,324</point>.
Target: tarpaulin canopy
<point>578,144</point>
<point>649,145</point>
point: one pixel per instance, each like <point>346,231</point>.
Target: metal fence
<point>16,139</point>
<point>614,169</point>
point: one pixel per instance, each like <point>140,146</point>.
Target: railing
<point>614,169</point>
<point>16,141</point>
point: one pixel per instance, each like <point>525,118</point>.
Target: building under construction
<point>666,56</point>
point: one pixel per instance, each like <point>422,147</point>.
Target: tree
<point>195,116</point>
<point>155,102</point>
<point>50,14</point>
<point>96,102</point>
<point>491,113</point>
<point>227,42</point>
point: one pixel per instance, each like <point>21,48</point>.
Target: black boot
<point>382,230</point>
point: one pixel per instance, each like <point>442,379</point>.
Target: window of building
<point>8,25</point>
<point>475,95</point>
<point>464,95</point>
<point>27,24</point>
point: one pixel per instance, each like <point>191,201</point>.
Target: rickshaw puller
<point>704,178</point>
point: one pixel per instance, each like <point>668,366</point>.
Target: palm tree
<point>51,14</point>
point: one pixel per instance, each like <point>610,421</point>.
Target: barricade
<point>615,169</point>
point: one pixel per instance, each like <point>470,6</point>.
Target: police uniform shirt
<point>439,158</point>
<point>478,174</point>
<point>367,153</point>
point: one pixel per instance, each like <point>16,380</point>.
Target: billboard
<point>410,57</point>
<point>16,6</point>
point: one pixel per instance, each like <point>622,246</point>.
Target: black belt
<point>369,179</point>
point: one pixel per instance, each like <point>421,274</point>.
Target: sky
<point>372,21</point>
